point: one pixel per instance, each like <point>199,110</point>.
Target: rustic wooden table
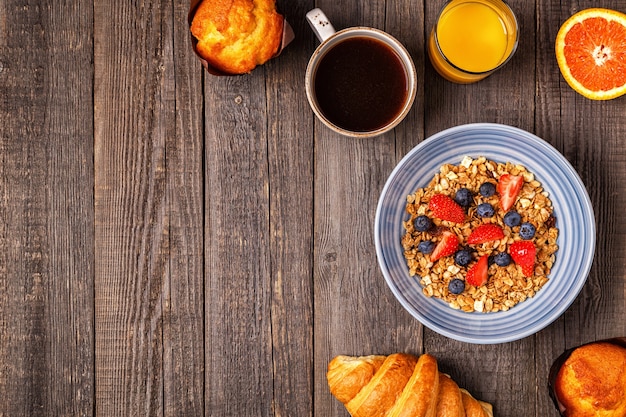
<point>178,244</point>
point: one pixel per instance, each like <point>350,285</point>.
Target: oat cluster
<point>506,286</point>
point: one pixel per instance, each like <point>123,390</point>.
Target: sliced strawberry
<point>509,187</point>
<point>485,233</point>
<point>524,253</point>
<point>445,208</point>
<point>477,274</point>
<point>446,246</point>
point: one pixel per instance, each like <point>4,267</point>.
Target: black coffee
<point>361,84</point>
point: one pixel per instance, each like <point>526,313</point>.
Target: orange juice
<point>472,38</point>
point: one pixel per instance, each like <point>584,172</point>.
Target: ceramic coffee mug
<point>360,81</point>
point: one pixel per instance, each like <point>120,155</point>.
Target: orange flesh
<point>595,51</point>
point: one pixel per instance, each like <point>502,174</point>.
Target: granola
<point>505,286</point>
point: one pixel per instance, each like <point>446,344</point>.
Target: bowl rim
<point>586,209</point>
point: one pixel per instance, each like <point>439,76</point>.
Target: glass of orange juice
<point>472,38</point>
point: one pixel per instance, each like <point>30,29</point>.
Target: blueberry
<point>502,259</point>
<point>463,257</point>
<point>512,218</point>
<point>527,231</point>
<point>487,189</point>
<point>485,210</point>
<point>426,246</point>
<point>423,223</point>
<point>456,286</point>
<point>464,197</point>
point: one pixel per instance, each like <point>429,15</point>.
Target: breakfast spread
<point>481,235</point>
<point>400,384</point>
<point>235,36</point>
<point>592,381</point>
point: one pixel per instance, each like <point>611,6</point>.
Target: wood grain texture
<point>149,213</point>
<point>291,159</point>
<point>178,244</point>
<point>46,216</point>
<point>183,313</point>
<point>350,293</point>
<point>238,282</point>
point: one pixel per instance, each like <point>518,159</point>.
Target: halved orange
<point>591,53</point>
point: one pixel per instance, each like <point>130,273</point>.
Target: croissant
<point>399,385</point>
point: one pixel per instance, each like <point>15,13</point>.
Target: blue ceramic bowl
<point>572,209</point>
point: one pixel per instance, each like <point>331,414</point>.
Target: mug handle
<point>320,24</point>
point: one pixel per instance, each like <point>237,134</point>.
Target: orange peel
<point>591,53</point>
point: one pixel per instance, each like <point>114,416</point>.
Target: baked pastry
<point>234,36</point>
<point>419,396</point>
<point>449,399</point>
<point>592,381</point>
<point>399,385</point>
<point>474,407</point>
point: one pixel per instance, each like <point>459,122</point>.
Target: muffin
<point>234,36</point>
<point>592,381</point>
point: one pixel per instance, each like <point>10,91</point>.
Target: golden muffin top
<point>234,36</point>
<point>592,381</point>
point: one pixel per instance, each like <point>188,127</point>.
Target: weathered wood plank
<point>183,314</point>
<point>355,312</point>
<point>404,21</point>
<point>46,217</point>
<point>290,157</point>
<point>238,289</point>
<point>132,95</point>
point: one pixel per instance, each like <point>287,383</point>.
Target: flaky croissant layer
<point>399,385</point>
